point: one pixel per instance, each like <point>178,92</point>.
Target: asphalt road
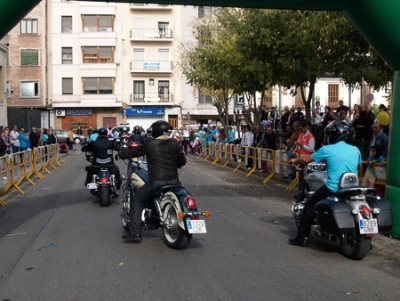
<point>56,243</point>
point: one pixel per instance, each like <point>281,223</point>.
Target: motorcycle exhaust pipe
<point>332,238</point>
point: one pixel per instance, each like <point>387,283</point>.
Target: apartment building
<point>26,73</point>
<point>93,64</point>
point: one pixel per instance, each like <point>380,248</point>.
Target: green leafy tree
<point>209,66</point>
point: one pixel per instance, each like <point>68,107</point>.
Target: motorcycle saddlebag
<point>334,217</point>
<point>385,217</point>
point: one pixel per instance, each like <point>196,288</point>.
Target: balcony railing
<point>147,34</point>
<point>151,98</point>
<point>147,6</point>
<point>151,66</point>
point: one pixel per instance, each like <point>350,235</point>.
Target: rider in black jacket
<point>164,157</point>
<point>136,136</point>
<point>102,149</point>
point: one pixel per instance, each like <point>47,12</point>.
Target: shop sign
<point>145,111</point>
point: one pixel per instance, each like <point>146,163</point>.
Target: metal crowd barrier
<point>21,166</point>
<point>267,163</point>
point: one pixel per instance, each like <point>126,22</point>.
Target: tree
<point>209,65</point>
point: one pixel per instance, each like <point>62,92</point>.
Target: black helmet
<point>159,127</point>
<point>136,129</point>
<point>337,131</point>
<point>102,132</point>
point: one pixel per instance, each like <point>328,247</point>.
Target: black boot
<point>134,236</point>
<point>299,240</point>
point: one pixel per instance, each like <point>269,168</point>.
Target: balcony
<point>155,35</point>
<point>151,99</point>
<point>148,6</point>
<point>140,66</point>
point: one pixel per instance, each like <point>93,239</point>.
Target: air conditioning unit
<point>60,113</point>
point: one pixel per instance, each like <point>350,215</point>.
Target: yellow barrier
<point>378,168</point>
<point>23,165</point>
<point>238,156</point>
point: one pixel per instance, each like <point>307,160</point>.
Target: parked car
<point>62,136</point>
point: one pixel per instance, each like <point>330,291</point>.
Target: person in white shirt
<point>247,140</point>
<point>185,140</point>
<point>14,139</point>
<point>316,118</point>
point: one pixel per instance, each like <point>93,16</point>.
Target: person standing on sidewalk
<point>70,140</point>
<point>14,139</point>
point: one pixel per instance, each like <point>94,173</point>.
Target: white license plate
<point>197,226</point>
<point>91,186</point>
<point>368,226</point>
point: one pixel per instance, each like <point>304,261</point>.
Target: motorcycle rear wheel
<point>124,210</point>
<point>104,196</point>
<point>174,236</point>
<point>354,245</point>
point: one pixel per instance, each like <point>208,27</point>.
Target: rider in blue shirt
<point>340,158</point>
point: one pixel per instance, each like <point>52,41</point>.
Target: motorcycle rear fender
<point>335,216</point>
<point>171,197</point>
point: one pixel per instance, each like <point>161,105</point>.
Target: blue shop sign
<point>145,111</point>
<point>79,112</point>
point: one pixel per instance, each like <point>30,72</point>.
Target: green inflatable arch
<point>375,19</point>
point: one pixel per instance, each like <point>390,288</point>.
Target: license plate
<point>91,186</point>
<point>197,226</point>
<point>368,226</point>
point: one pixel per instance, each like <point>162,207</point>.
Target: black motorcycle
<point>351,216</point>
<point>171,208</point>
<point>103,183</point>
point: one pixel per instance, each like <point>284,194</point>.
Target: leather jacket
<point>164,157</point>
<point>102,149</point>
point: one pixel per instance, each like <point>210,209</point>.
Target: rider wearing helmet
<point>164,157</point>
<point>340,158</point>
<point>136,136</point>
<point>102,149</point>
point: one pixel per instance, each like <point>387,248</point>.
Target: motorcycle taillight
<point>190,202</point>
<point>365,211</point>
<point>104,180</point>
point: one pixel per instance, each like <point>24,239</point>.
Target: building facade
<point>93,64</point>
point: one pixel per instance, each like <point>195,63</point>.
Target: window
<point>163,29</point>
<point>66,55</point>
<point>67,86</point>
<point>333,96</point>
<point>98,54</point>
<point>138,58</point>
<point>163,56</point>
<point>29,89</point>
<point>138,91</point>
<point>267,101</point>
<point>163,90</point>
<point>98,23</point>
<point>29,57</point>
<point>98,85</point>
<point>66,24</point>
<point>203,98</point>
<point>29,26</point>
<point>205,12</point>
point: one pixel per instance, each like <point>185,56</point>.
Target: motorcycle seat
<point>165,188</point>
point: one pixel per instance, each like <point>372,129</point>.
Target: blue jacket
<point>23,141</point>
<point>382,140</point>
